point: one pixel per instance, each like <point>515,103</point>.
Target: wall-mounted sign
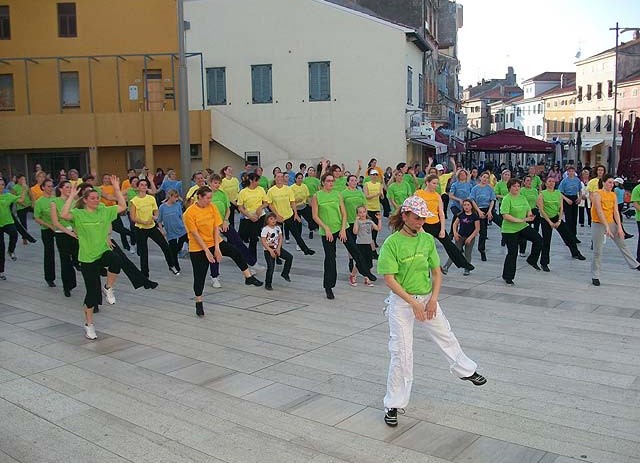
<point>133,92</point>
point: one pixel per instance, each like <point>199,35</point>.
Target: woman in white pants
<point>606,221</point>
<point>407,257</point>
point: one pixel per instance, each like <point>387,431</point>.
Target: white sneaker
<point>90,332</point>
<point>523,254</point>
<point>175,271</point>
<point>215,283</point>
<point>2,277</point>
<point>286,241</point>
<point>109,295</point>
<point>298,248</point>
<point>12,255</point>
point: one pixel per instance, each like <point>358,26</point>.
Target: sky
<point>536,36</point>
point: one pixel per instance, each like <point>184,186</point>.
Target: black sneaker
<point>286,278</point>
<point>545,268</point>
<point>483,256</point>
<point>310,235</point>
<point>329,293</point>
<point>391,417</point>
<point>252,281</point>
<point>199,309</point>
<point>67,293</point>
<point>96,309</point>
<point>628,236</point>
<point>579,257</point>
<point>372,277</point>
<point>444,270</point>
<point>476,378</point>
<point>52,284</point>
<point>509,282</point>
<point>470,267</point>
<point>375,256</point>
<point>578,241</point>
<point>150,285</point>
<point>268,287</point>
<point>595,282</point>
<point>309,252</point>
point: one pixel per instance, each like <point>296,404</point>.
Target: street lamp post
<point>614,148</point>
<point>183,103</point>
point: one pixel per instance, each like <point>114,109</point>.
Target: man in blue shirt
<point>570,188</point>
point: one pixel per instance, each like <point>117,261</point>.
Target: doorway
<point>154,90</point>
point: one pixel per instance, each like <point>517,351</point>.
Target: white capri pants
<point>401,320</point>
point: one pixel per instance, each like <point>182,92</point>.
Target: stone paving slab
<point>289,376</point>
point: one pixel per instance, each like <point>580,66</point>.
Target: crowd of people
<point>223,214</point>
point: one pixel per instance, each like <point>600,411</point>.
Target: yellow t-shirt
<point>433,204</point>
<point>230,187</point>
<point>443,179</point>
<point>608,201</point>
<point>593,185</point>
<point>281,199</point>
<point>144,209</point>
<point>252,199</point>
<point>110,190</point>
<point>203,220</point>
<point>301,194</point>
<point>191,194</point>
<point>492,180</point>
<point>126,184</point>
<point>373,188</point>
<point>36,193</point>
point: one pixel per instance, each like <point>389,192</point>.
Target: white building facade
<point>301,80</point>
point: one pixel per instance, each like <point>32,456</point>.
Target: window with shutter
<point>420,91</point>
<point>67,21</point>
<point>7,102</point>
<point>261,86</point>
<point>5,24</point>
<point>216,86</point>
<point>319,81</point>
<point>70,89</point>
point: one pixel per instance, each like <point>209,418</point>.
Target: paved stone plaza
<point>288,376</point>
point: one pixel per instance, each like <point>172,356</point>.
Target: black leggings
<point>175,245</point>
<point>250,231</point>
<point>142,234</point>
<point>453,252</point>
<point>91,275</point>
<point>9,229</point>
<point>118,226</point>
<point>200,264</point>
<point>68,252</point>
<point>374,233</point>
<point>48,243</point>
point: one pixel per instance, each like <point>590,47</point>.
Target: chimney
<point>562,80</point>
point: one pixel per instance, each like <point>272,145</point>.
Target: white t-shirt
<point>273,236</point>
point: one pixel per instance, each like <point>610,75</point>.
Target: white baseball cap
<point>439,167</point>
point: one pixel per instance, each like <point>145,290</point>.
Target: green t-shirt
<point>635,198</point>
<point>408,179</point>
<point>409,258</point>
<point>536,182</point>
<point>518,207</point>
<point>42,210</point>
<point>6,200</point>
<point>531,194</point>
<point>399,192</point>
<point>17,190</point>
<point>263,182</point>
<point>93,229</point>
<point>352,199</point>
<point>131,193</point>
<point>340,184</point>
<point>329,210</point>
<point>552,200</point>
<point>59,202</point>
<point>313,184</point>
<point>501,188</point>
<point>220,199</point>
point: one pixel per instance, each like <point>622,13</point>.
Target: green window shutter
<point>319,81</point>
<point>261,84</point>
<point>216,86</point>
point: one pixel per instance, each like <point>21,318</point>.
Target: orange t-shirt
<point>111,191</point>
<point>204,220</point>
<point>36,193</point>
<point>608,201</point>
<point>433,203</point>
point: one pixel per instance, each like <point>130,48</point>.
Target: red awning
<point>510,141</point>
